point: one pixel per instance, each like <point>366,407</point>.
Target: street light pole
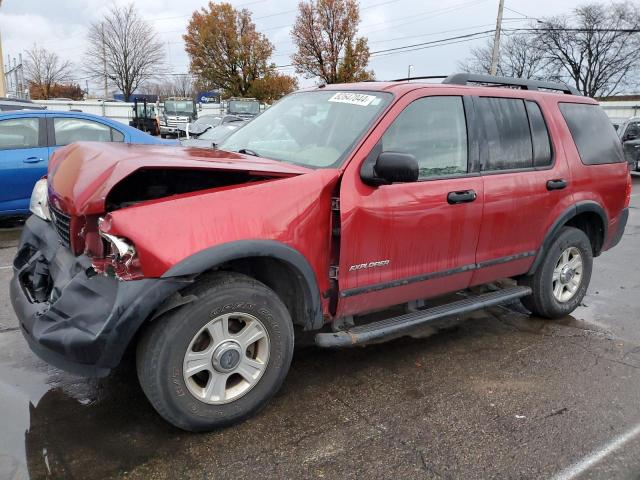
<point>496,40</point>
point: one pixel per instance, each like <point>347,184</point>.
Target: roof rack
<point>524,84</point>
<point>428,77</point>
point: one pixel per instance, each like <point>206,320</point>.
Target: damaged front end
<point>71,317</point>
<point>87,275</point>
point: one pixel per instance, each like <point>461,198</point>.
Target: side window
<point>507,133</point>
<point>593,134</point>
<point>539,136</point>
<point>19,133</point>
<point>434,130</point>
<point>117,135</point>
<point>69,130</point>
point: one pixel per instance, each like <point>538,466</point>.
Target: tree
<point>597,49</point>
<point>44,69</point>
<point>182,85</point>
<point>124,49</point>
<point>225,49</point>
<point>520,57</point>
<point>272,87</point>
<point>57,90</point>
<point>325,35</point>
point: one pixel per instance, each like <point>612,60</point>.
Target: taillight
<point>627,200</point>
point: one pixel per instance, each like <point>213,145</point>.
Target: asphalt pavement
<point>496,394</point>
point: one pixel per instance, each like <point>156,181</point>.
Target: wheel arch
<point>282,268</point>
<point>588,216</point>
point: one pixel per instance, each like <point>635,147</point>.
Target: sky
<point>61,25</point>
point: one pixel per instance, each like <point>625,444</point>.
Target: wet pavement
<point>497,394</point>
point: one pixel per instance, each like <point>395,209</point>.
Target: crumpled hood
<point>81,175</point>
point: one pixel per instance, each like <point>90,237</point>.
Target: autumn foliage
<point>226,51</point>
<point>325,35</point>
<point>57,90</point>
<point>272,86</point>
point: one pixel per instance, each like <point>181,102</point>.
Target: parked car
<point>335,202</point>
<point>205,123</point>
<point>11,104</point>
<point>28,138</point>
<point>212,137</point>
<point>629,133</point>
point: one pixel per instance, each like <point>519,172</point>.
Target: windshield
<point>151,110</point>
<point>239,106</point>
<point>314,129</point>
<point>178,107</point>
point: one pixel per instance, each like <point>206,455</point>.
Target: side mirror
<point>391,167</point>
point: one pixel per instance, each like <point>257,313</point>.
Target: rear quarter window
<point>593,133</point>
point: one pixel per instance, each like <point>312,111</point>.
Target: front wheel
<point>220,358</point>
<point>561,281</point>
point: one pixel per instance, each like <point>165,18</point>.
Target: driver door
<point>408,241</point>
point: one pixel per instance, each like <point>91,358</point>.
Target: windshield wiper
<point>248,151</point>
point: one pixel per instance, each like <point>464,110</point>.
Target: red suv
<point>334,202</point>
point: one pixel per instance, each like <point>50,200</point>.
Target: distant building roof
<point>620,98</point>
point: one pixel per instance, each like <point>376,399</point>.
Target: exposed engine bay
<point>153,183</point>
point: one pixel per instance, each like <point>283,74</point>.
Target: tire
<point>544,301</point>
<point>166,349</point>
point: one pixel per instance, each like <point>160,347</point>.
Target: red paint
<point>411,225</point>
<point>82,174</point>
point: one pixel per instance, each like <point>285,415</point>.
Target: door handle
<point>464,196</point>
<point>32,160</point>
<point>557,184</point>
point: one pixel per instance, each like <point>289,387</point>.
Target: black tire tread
<point>162,329</point>
<point>541,302</point>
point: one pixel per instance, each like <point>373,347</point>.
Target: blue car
<point>29,137</point>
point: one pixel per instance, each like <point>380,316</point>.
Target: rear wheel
<point>561,281</point>
<point>220,358</point>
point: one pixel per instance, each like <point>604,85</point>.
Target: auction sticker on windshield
<point>353,98</point>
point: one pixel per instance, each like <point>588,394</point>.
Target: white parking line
<point>594,457</point>
<point>5,267</point>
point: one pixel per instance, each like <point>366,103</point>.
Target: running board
<point>394,325</point>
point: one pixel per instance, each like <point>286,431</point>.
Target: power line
<point>457,37</point>
<point>465,40</point>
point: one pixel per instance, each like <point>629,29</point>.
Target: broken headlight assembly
<point>120,255</point>
<point>39,204</point>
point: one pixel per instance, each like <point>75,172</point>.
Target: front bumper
<point>168,130</point>
<point>71,318</point>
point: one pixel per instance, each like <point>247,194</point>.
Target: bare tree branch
<point>595,49</point>
<point>44,69</point>
<point>128,45</point>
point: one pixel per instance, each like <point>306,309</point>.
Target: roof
<point>486,85</point>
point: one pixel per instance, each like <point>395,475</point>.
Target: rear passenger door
<point>23,160</point>
<point>526,180</point>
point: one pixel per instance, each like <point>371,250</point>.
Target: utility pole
<point>104,65</point>
<point>496,40</point>
<point>3,91</point>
